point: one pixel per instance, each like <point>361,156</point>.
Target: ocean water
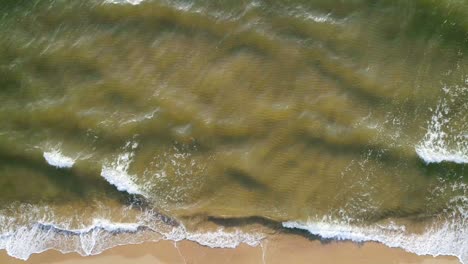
<point>222,122</point>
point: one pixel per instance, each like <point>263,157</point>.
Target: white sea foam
<point>444,141</point>
<point>142,117</point>
<point>320,18</point>
<point>437,155</point>
<point>27,229</point>
<point>449,239</point>
<point>90,240</point>
<point>55,158</point>
<point>122,2</point>
<point>103,234</point>
<point>116,172</point>
<point>435,147</point>
<point>118,177</point>
<point>447,235</point>
<point>301,12</point>
<point>101,223</point>
<point>215,239</point>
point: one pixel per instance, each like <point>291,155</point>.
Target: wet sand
<point>277,249</point>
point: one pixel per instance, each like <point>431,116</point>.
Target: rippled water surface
<point>223,121</point>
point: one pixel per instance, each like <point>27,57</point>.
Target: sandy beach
<point>277,249</point>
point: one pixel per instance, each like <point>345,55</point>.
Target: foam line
<point>122,2</point>
<point>101,235</point>
<point>116,172</point>
<point>448,240</point>
<point>57,159</point>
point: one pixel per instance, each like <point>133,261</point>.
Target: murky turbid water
<point>224,121</point>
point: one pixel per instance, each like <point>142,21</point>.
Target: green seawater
<point>233,114</point>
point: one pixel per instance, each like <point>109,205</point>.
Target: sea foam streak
<point>116,172</point>
<point>216,239</point>
<point>449,239</point>
<point>434,147</point>
<point>437,155</point>
<point>131,2</point>
<point>104,234</point>
<point>55,158</point>
<point>442,142</point>
<point>91,240</point>
<point>447,235</point>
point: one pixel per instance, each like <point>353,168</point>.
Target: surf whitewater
<point>221,123</point>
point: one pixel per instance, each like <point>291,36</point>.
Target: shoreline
<point>278,248</point>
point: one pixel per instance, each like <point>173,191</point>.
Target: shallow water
<point>222,121</point>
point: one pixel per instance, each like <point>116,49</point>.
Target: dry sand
<point>289,249</point>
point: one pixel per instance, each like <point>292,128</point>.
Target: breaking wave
<point>55,158</point>
<point>103,234</point>
<point>443,142</point>
<point>446,235</point>
<point>116,172</point>
<point>444,240</point>
<point>121,2</point>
